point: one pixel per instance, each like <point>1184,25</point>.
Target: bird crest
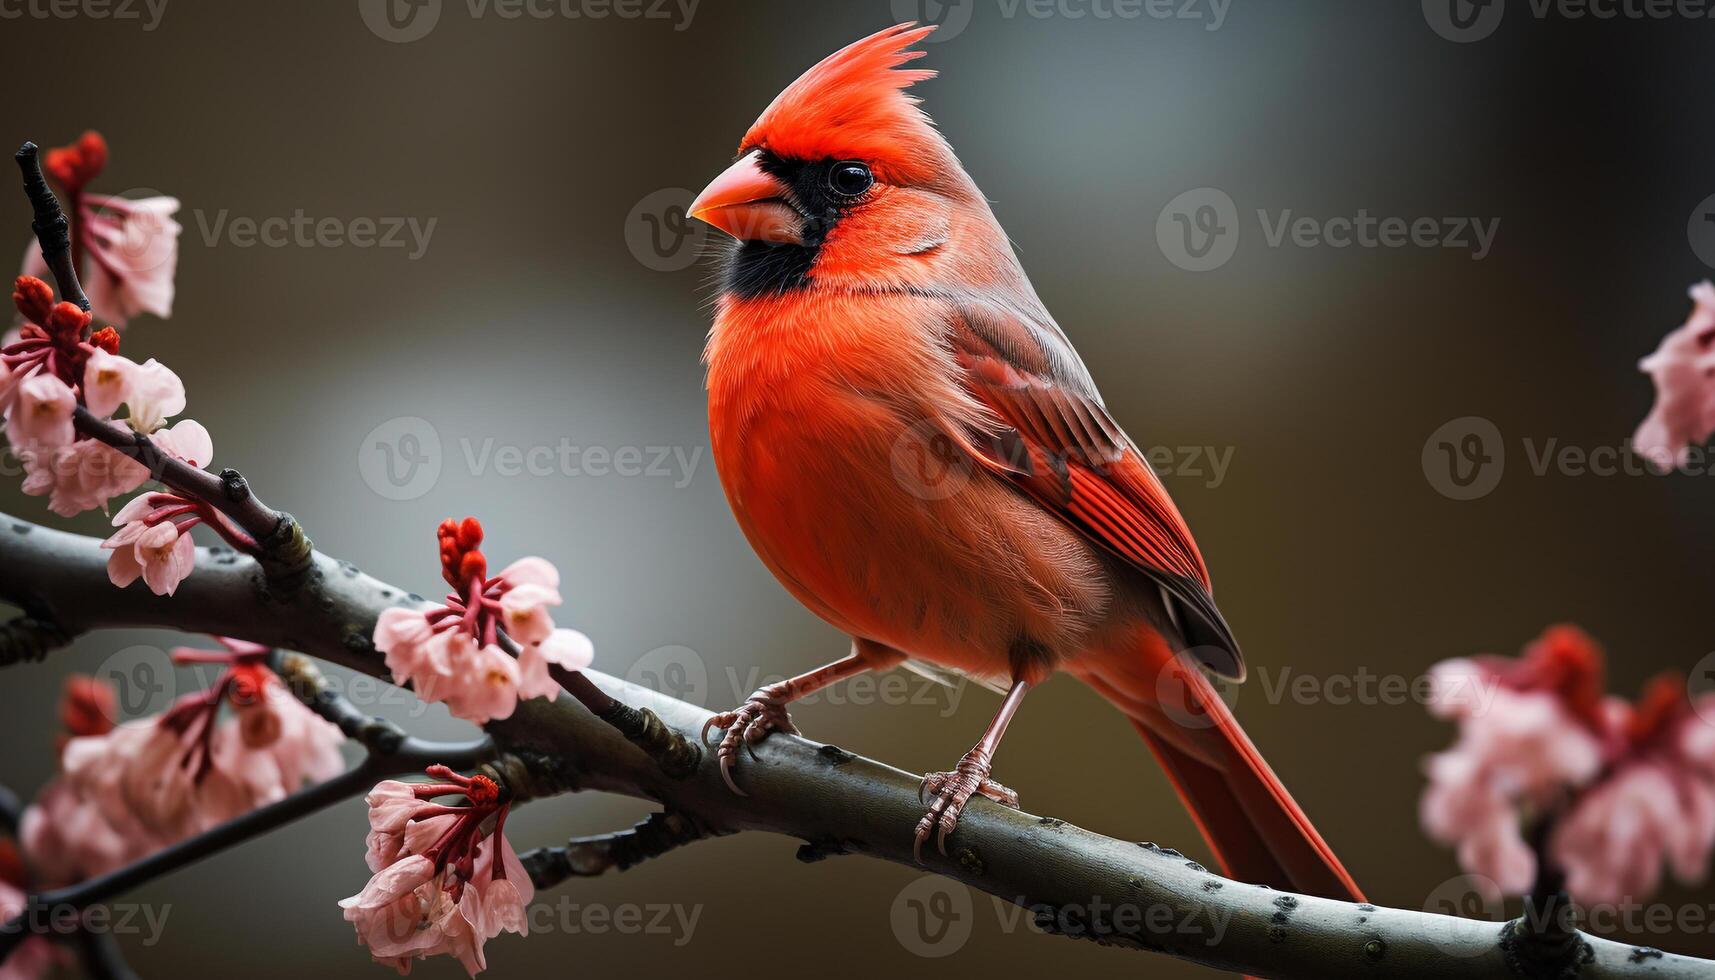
<point>853,105</point>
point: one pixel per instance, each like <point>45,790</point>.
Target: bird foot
<point>754,720</point>
<point>952,790</point>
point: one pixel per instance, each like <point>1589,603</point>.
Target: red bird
<point>913,447</point>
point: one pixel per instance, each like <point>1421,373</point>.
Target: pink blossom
<point>566,648</point>
<point>1655,808</point>
<point>134,252</point>
<point>187,440</point>
<point>69,838</point>
<point>1683,369</point>
<point>525,611</point>
<point>154,541</point>
<point>456,652</point>
<point>82,476</point>
<point>130,248</point>
<point>1614,792</point>
<point>154,395</point>
<point>40,417</point>
<point>441,886</point>
<point>107,381</point>
<point>88,473</point>
<point>149,782</point>
<point>484,683</point>
<point>531,571</point>
<point>160,554</point>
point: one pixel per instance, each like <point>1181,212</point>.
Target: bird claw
<point>754,720</point>
<point>951,792</point>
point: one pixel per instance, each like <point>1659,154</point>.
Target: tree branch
<point>1075,881</point>
<point>587,857</point>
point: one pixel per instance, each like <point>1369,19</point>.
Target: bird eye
<point>849,178</point>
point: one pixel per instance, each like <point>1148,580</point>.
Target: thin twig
<point>307,683</point>
<point>100,956</point>
<point>53,231</point>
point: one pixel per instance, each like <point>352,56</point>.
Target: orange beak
<point>748,204</point>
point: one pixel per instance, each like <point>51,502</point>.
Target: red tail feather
<point>1256,830</point>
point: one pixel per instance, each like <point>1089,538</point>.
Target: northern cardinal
<point>913,447</point>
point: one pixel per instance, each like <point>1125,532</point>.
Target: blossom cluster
<point>1683,369</point>
<point>125,251</point>
<point>1610,792</point>
<point>126,790</point>
<point>457,652</point>
<point>59,364</point>
<point>442,884</point>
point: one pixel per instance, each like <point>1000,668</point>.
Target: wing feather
<point>1063,448</point>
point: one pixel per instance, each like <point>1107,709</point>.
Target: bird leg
<point>952,790</point>
<point>765,710</point>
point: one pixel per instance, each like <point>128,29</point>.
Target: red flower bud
<point>88,706</point>
<point>74,166</point>
<point>107,339</point>
<point>66,320</point>
<point>473,567</point>
<point>34,299</point>
<point>483,791</point>
<point>470,533</point>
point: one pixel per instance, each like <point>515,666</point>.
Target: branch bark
<point>1076,882</point>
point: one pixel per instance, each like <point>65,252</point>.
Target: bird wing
<point>1059,444</point>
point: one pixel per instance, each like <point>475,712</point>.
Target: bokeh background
<point>556,298</point>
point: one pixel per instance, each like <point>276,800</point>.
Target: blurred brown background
<point>546,150</point>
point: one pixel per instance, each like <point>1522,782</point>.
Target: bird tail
<point>1256,830</point>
